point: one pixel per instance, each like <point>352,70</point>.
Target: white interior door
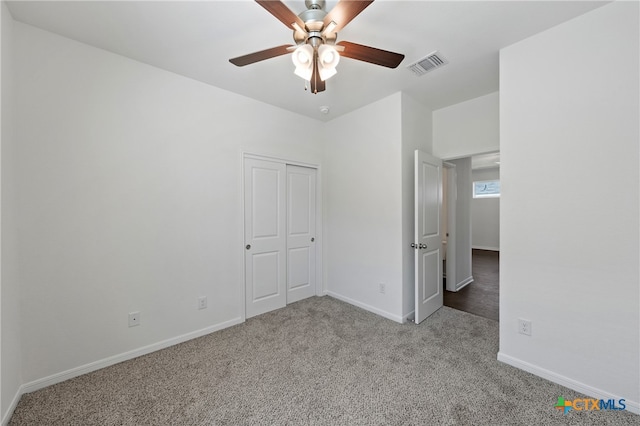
<point>428,241</point>
<point>265,236</point>
<point>301,230</point>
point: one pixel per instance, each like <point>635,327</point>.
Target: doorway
<point>280,217</point>
<point>480,293</point>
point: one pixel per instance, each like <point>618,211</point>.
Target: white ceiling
<point>196,39</point>
<point>485,161</point>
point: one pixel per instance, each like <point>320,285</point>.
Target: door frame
<point>452,196</point>
<point>320,288</point>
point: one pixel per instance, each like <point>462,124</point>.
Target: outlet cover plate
<point>524,327</point>
<point>134,319</point>
<point>202,302</point>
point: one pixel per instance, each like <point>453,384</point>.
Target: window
<point>486,189</point>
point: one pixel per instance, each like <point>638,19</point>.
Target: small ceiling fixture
<point>315,31</point>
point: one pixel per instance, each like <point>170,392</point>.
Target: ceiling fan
<point>315,32</point>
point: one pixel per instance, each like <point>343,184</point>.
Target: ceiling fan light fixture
<point>304,73</point>
<point>328,58</point>
<point>326,72</point>
<point>303,60</point>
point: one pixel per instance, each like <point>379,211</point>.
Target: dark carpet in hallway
<point>481,297</point>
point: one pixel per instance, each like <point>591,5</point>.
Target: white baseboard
<point>106,362</point>
<point>411,314</point>
<point>12,407</point>
<point>366,307</point>
<point>486,248</point>
<point>632,406</point>
<point>462,284</point>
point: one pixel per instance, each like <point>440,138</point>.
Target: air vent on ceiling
<point>429,63</point>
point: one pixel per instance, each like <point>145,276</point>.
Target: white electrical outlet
<point>202,302</point>
<point>382,288</point>
<point>524,327</point>
<point>134,319</point>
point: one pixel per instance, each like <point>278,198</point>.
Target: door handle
<point>248,247</point>
<point>312,239</point>
<point>413,245</point>
<point>422,246</point>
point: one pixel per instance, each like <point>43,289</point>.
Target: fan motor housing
<point>313,17</point>
<point>315,4</point>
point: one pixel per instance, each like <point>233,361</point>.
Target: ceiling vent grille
<point>429,63</point>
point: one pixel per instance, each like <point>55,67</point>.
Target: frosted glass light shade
<point>302,58</point>
<point>328,58</point>
<point>327,73</point>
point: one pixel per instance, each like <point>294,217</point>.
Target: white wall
<point>129,199</point>
<point>463,222</point>
<point>485,214</point>
<point>467,128</point>
<point>10,364</point>
<point>416,134</point>
<point>363,213</point>
<point>569,146</point>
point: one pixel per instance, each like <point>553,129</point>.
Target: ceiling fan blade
<point>251,58</point>
<point>370,54</point>
<point>281,12</point>
<point>343,12</point>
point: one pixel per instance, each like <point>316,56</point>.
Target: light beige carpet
<point>317,362</point>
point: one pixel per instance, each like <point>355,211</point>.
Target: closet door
<point>265,204</point>
<point>301,229</point>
